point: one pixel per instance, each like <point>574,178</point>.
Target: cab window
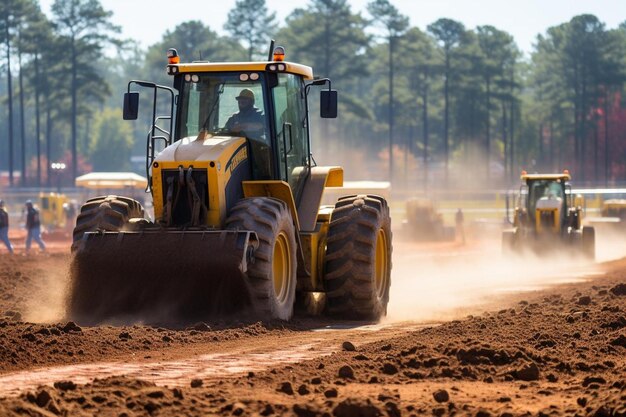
<point>291,134</point>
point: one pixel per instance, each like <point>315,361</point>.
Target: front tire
<point>107,213</point>
<point>271,277</point>
<point>358,258</point>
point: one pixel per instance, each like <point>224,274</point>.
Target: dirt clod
<point>286,388</point>
<point>65,385</point>
<point>619,289</point>
<point>356,408</point>
<point>70,326</point>
<point>348,346</point>
<point>441,396</point>
<point>390,369</point>
<point>196,383</point>
<point>346,372</point>
<point>331,393</point>
<point>527,372</point>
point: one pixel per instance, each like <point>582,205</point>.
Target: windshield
<point>223,104</point>
<point>550,190</point>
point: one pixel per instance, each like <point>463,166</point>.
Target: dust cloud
<point>46,300</point>
<point>435,282</point>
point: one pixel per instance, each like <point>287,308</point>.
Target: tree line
<point>440,105</point>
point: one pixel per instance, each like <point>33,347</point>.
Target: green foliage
<point>194,42</point>
<point>445,94</point>
<point>111,142</point>
<point>251,22</point>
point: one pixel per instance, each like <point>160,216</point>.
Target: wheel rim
<point>381,263</point>
<point>281,266</point>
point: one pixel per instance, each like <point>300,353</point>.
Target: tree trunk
<point>446,115</point>
<point>596,138</point>
<point>551,139</point>
<point>391,114</point>
<point>512,135</point>
<point>505,141</point>
<point>22,123</point>
<point>9,97</point>
<point>488,137</point>
<point>74,116</point>
<point>425,128</point>
<point>606,139</point>
<point>48,142</point>
<point>37,120</point>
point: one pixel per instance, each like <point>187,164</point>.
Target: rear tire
<point>589,243</point>
<point>107,213</point>
<point>508,242</point>
<point>358,258</point>
<point>272,276</point>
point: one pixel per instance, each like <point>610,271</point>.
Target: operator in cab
<point>249,120</point>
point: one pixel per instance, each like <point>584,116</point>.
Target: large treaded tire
<point>106,213</point>
<point>589,243</point>
<point>271,277</point>
<point>357,264</point>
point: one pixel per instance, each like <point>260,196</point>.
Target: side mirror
<point>131,105</point>
<point>328,104</point>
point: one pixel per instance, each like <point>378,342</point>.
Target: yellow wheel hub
<point>382,262</point>
<point>281,267</point>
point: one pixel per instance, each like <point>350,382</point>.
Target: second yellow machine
<point>549,217</point>
<point>236,197</point>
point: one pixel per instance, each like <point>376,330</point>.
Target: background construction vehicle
<point>423,222</point>
<point>613,216</point>
<point>53,210</point>
<point>237,214</point>
<point>548,216</point>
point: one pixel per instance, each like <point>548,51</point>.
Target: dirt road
<point>553,342</point>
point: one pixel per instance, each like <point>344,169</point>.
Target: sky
<point>145,21</point>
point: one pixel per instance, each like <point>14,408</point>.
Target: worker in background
<point>4,227</point>
<point>460,231</point>
<point>33,227</point>
<point>69,209</point>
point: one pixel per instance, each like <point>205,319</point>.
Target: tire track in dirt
<point>263,353</point>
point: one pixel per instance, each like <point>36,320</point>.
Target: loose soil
<point>558,351</point>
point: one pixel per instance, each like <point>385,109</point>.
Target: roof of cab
<point>303,70</point>
<point>553,177</point>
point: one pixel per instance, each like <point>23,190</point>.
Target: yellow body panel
<point>553,177</point>
<point>556,225</point>
<point>218,156</point>
<point>335,177</point>
<point>273,188</point>
<point>303,70</point>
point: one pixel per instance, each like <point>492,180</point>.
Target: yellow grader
<point>238,221</point>
<point>547,216</point>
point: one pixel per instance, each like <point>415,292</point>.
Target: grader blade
<point>159,276</point>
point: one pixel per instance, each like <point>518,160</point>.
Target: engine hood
<point>194,148</point>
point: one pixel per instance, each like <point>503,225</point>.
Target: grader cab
<point>236,195</point>
<point>548,216</point>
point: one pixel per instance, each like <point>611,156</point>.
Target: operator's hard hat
<point>1,203</point>
<point>28,203</point>
<point>246,93</point>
